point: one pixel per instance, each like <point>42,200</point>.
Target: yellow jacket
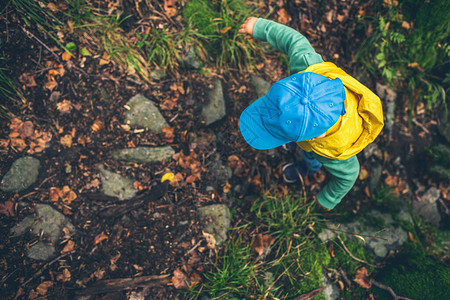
<point>356,129</point>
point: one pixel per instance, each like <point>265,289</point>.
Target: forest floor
<point>80,120</point>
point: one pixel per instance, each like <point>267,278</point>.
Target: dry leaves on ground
<point>361,278</point>
<point>7,208</point>
<point>261,244</point>
<point>23,135</point>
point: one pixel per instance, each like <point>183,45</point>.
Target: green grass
<point>409,49</point>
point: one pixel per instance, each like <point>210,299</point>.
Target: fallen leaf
<point>97,126</point>
<point>169,8</point>
<point>226,188</point>
<point>43,287</point>
<point>28,79</point>
<point>283,16</point>
<point>168,176</point>
<point>195,279</point>
<point>138,185</point>
<point>68,195</point>
<point>210,240</point>
<point>68,247</point>
<point>262,243</point>
<point>85,52</point>
<point>412,237</point>
<point>65,106</point>
<point>54,194</point>
<point>65,276</point>
<point>225,29</point>
<point>7,208</point>
<point>361,278</point>
<point>180,280</point>
<point>66,56</point>
<point>100,237</point>
<point>169,134</point>
<point>66,141</point>
<point>363,174</point>
<point>367,191</point>
<point>341,285</point>
<point>50,85</point>
<point>52,7</point>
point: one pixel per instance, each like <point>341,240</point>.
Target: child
<point>329,114</point>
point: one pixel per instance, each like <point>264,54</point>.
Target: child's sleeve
<point>289,41</point>
<point>344,174</point>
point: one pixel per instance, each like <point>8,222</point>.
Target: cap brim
<point>253,130</point>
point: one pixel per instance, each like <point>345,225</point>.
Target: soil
<point>156,238</point>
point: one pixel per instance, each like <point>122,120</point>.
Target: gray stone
<point>260,85</point>
<point>41,251</point>
<point>116,185</point>
<point>144,154</point>
<point>426,206</point>
<point>47,223</point>
<point>331,291</point>
<point>389,115</point>
<point>221,173</point>
<point>217,220</point>
<point>23,173</point>
<point>405,216</point>
<point>214,110</point>
<point>191,60</point>
<point>375,176</point>
<point>379,240</point>
<point>143,113</point>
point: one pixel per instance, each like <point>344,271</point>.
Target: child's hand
<point>247,27</point>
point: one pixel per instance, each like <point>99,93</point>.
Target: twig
<point>389,289</point>
<point>420,125</point>
<point>344,276</point>
<point>351,255</point>
<point>47,265</point>
<point>40,42</point>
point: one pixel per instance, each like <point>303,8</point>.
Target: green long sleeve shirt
<point>302,55</point>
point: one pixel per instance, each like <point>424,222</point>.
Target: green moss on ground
<point>415,275</point>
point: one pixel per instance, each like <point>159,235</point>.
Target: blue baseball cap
<point>297,108</point>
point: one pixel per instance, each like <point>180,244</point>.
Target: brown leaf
<point>28,79</point>
<point>262,243</point>
<point>66,141</point>
<point>210,240</point>
<point>97,126</point>
<point>169,134</point>
<point>7,208</point>
<point>68,247</point>
<point>170,8</point>
<point>195,279</point>
<point>68,195</point>
<point>283,16</point>
<point>66,56</point>
<point>100,237</point>
<point>54,194</point>
<point>363,174</point>
<point>52,7</point>
<point>361,278</point>
<point>43,287</point>
<point>225,29</point>
<point>180,280</point>
<point>65,276</point>
<point>19,144</point>
<point>65,106</point>
<point>50,85</point>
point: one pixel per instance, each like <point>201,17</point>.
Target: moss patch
<point>415,275</point>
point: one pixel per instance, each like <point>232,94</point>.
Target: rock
<point>375,176</point>
<point>143,113</point>
<point>116,185</point>
<point>23,173</point>
<point>260,85</point>
<point>389,95</point>
<point>391,238</point>
<point>41,251</point>
<point>331,291</point>
<point>191,60</point>
<point>47,223</point>
<point>144,154</point>
<point>217,220</point>
<point>214,110</point>
<point>426,206</point>
<point>221,173</point>
<point>373,150</point>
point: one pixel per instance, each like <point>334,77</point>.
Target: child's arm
<point>285,39</point>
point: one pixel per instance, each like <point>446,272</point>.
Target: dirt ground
<point>154,239</point>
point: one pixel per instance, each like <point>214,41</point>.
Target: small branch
<point>351,255</point>
<point>389,289</point>
<point>344,276</point>
<point>38,273</point>
<point>40,42</point>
